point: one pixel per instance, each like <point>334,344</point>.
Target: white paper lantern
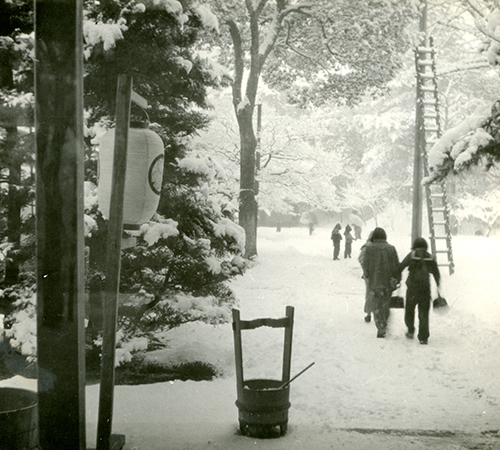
<point>143,180</point>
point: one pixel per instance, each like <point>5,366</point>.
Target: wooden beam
<point>59,223</point>
<point>113,254</point>
<point>138,100</point>
<point>264,322</point>
<point>238,352</point>
<point>287,347</point>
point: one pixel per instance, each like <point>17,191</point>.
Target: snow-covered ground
<point>362,392</point>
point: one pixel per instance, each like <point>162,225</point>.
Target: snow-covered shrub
<point>20,323</point>
<point>183,257</point>
<point>180,276</point>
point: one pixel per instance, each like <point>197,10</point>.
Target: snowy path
<point>438,396</point>
<point>363,393</point>
<point>362,381</point>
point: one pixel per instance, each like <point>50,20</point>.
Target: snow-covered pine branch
<point>461,145</point>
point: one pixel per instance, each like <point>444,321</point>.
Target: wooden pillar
<point>416,228</point>
<point>238,352</point>
<point>287,347</point>
<point>113,254</point>
<point>416,225</point>
<point>59,223</point>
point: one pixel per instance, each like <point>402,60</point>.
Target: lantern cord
<point>145,112</point>
<point>147,115</point>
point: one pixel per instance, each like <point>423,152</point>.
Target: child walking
<point>420,265</point>
<point>336,237</point>
<point>348,241</point>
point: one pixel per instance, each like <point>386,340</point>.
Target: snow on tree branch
<point>274,29</point>
<point>16,99</point>
<point>107,33</point>
<point>207,17</point>
<point>153,231</point>
<point>459,147</point>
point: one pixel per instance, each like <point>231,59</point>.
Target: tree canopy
<point>475,139</point>
<point>318,52</point>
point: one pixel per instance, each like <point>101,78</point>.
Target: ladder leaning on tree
<point>438,211</point>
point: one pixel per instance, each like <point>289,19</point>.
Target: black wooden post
<point>59,226</point>
<point>416,224</point>
<point>113,253</point>
<point>287,348</point>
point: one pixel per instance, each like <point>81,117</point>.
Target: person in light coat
<point>368,307</point>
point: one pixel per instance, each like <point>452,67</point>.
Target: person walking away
<point>311,228</point>
<point>368,307</point>
<point>348,241</point>
<point>336,237</point>
<point>381,269</point>
<point>420,265</point>
<point>357,223</point>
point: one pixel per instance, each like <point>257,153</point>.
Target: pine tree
<point>16,144</point>
<point>182,274</point>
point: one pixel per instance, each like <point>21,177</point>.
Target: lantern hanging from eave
<point>143,180</point>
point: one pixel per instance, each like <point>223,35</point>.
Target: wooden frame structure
<point>263,404</point>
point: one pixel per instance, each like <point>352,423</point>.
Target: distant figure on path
<point>368,308</point>
<point>381,269</point>
<point>311,228</point>
<point>278,226</point>
<point>420,265</point>
<point>357,223</point>
<point>348,241</point>
<point>309,219</point>
<point>336,237</point>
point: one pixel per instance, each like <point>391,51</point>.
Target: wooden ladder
<point>438,211</point>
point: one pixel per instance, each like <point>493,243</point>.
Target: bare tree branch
<point>479,18</point>
<point>464,69</point>
<point>303,55</point>
<point>474,8</point>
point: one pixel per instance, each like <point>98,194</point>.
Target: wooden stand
<point>113,253</point>
<point>263,404</point>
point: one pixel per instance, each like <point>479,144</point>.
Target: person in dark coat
<point>336,237</point>
<point>381,269</point>
<point>311,228</point>
<point>420,265</point>
<point>348,241</point>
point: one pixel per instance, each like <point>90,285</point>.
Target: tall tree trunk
<point>248,204</point>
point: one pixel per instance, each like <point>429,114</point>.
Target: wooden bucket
<point>18,419</point>
<point>263,408</point>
